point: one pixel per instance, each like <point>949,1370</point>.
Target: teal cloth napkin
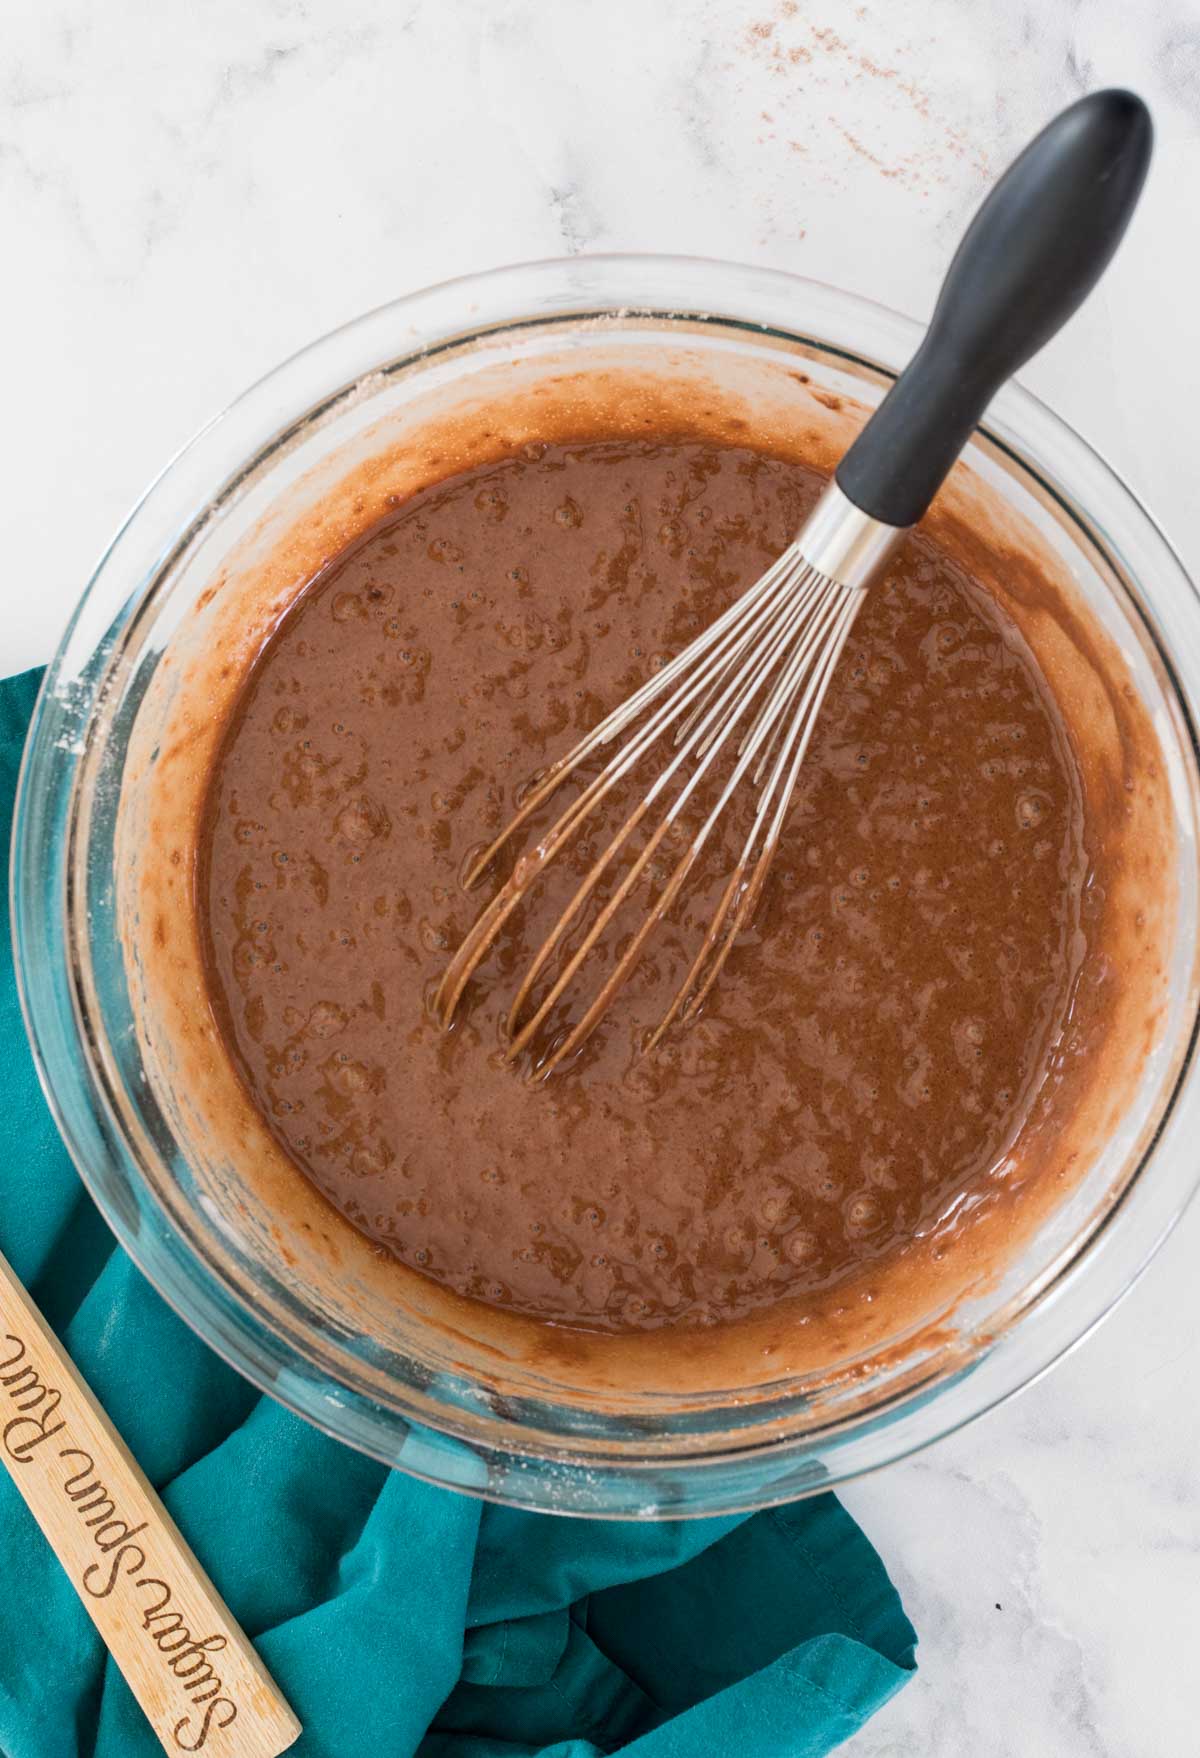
<point>400,1619</point>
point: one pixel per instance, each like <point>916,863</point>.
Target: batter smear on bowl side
<point>881,1040</point>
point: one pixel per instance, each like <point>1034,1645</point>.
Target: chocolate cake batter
<point>878,1038</point>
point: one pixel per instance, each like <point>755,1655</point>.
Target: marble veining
<point>188,195</point>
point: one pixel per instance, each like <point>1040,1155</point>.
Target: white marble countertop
<point>188,193</point>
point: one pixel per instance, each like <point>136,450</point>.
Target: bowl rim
<point>725,1472</point>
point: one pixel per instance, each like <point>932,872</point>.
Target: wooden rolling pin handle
<point>193,1671</point>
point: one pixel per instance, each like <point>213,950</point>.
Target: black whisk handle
<point>1030,257</point>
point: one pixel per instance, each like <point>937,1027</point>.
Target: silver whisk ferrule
<point>845,544</point>
<point>748,690</point>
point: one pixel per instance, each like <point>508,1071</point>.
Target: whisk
<point>747,691</point>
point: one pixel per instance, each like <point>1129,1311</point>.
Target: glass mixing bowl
<point>322,1339</point>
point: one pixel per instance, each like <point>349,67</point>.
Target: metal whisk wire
<point>773,651</point>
